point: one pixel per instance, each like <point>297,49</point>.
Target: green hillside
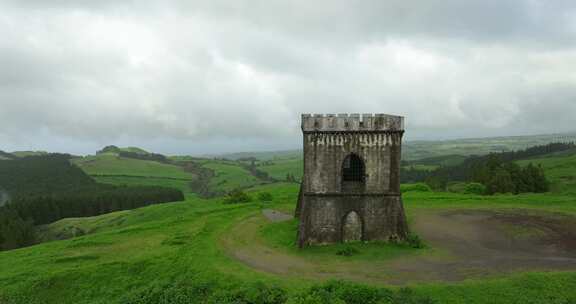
<point>560,169</point>
<point>199,250</point>
<point>228,176</point>
<point>162,253</point>
<point>113,169</point>
<point>278,168</point>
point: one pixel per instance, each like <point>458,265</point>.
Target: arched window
<point>353,169</point>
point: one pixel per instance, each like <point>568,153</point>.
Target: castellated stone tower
<point>350,190</point>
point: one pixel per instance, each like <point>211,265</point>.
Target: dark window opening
<point>353,169</point>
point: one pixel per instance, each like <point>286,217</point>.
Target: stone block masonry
<point>350,190</point>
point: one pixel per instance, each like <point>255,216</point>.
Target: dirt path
<point>466,243</point>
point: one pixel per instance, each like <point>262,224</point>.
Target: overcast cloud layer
<point>220,75</point>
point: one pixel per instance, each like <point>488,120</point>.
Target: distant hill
<point>6,156</point>
<point>421,149</point>
<point>264,155</point>
<point>28,153</point>
<point>117,169</point>
<point>115,149</point>
<point>413,150</point>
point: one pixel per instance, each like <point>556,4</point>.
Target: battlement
<point>351,122</point>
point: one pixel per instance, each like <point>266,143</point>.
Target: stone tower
<point>350,190</point>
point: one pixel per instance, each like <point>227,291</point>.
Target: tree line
<point>498,172</point>
<point>44,189</point>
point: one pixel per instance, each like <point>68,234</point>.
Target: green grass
<point>281,167</point>
<point>111,164</point>
<point>127,254</point>
<point>132,251</point>
<point>229,176</point>
<point>109,168</point>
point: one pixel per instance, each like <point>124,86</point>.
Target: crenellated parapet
<point>352,123</point>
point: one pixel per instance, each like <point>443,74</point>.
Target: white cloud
<point>219,74</point>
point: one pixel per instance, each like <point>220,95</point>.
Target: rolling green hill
<point>181,252</point>
<point>110,168</point>
<point>278,168</point>
<point>228,176</point>
<point>173,252</point>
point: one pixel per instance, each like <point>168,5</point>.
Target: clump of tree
<point>265,196</point>
<point>237,197</point>
<point>500,176</point>
<point>15,232</point>
<point>496,172</point>
<point>109,149</point>
<point>50,207</point>
<point>144,156</point>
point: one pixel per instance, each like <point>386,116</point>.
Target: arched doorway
<point>352,227</point>
<point>353,174</point>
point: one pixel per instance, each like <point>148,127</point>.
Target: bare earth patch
<point>466,244</point>
<point>276,216</point>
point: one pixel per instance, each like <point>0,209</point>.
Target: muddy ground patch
<point>464,244</point>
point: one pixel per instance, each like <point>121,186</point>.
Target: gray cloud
<point>208,76</point>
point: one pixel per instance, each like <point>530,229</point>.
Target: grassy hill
<point>176,252</point>
<point>176,172</point>
<point>278,168</point>
<point>560,169</point>
<point>110,168</point>
<point>228,176</point>
<point>172,252</point>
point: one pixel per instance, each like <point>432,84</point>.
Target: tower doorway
<point>352,228</point>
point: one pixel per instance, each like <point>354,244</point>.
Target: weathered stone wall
<point>322,218</point>
<point>323,202</point>
<point>325,152</point>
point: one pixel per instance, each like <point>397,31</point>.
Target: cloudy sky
<point>218,75</point>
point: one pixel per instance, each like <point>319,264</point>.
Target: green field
<point>212,252</point>
<point>132,253</point>
<point>280,167</point>
<point>229,176</point>
<point>110,168</point>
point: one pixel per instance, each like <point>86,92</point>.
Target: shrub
<point>257,293</point>
<point>457,187</point>
<point>343,293</point>
<point>237,197</point>
<point>265,197</point>
<point>347,251</point>
<point>475,188</point>
<point>417,187</point>
<point>414,241</point>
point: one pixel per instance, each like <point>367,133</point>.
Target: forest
<point>44,189</point>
